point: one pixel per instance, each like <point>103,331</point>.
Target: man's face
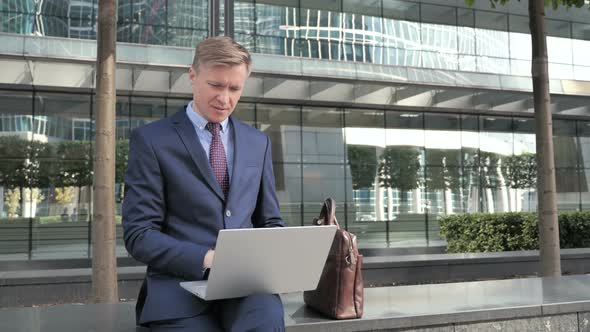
<point>217,89</point>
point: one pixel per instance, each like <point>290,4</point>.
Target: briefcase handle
<point>327,214</point>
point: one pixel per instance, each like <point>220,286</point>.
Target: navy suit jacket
<point>174,207</point>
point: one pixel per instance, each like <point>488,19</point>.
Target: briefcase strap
<point>327,214</point>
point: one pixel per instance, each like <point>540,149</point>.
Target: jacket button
<point>227,213</point>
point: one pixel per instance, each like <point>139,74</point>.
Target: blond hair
<point>222,51</point>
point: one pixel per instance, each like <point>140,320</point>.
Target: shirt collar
<point>199,121</point>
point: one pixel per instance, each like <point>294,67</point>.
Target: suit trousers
<point>260,312</point>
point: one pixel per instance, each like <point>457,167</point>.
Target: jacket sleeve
<point>267,212</point>
<point>144,211</point>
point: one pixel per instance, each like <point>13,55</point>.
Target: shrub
<point>489,232</point>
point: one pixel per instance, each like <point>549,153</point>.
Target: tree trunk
<point>104,262</point>
<point>547,209</point>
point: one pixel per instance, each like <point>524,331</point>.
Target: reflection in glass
<point>245,112</point>
<point>365,139</point>
<point>282,124</point>
<point>322,135</point>
<point>443,191</point>
<point>16,168</point>
<point>63,205</point>
<point>174,105</point>
<point>321,181</point>
<point>568,189</point>
<point>583,129</point>
<point>496,145</point>
<point>559,50</point>
<point>565,145</point>
<point>145,110</point>
<point>584,188</point>
<point>288,188</point>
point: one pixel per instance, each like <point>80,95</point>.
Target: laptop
<point>265,260</point>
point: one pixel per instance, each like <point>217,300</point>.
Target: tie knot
<point>213,127</point>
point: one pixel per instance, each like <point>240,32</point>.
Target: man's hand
<point>208,261</point>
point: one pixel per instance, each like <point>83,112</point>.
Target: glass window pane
<point>559,50</point>
<point>185,37</point>
<point>439,38</point>
<point>490,20</point>
<point>580,49</point>
<point>63,199</point>
<point>520,170</point>
<point>584,139</point>
<point>465,17</point>
<point>472,194</point>
<point>470,140</point>
<point>333,5</point>
<point>568,189</point>
<point>277,21</point>
<point>288,188</point>
<point>581,31</point>
<point>524,136</point>
<point>407,201</point>
<point>496,146</point>
<point>15,127</point>
<point>443,192</point>
<point>565,147</point>
<point>149,34</point>
<point>403,10</point>
<point>560,71</point>
<point>404,128</point>
<point>245,112</point>
<point>439,14</point>
<point>520,46</point>
<point>174,105</point>
<point>466,40</point>
<point>282,124</point>
<point>442,140</point>
<point>278,45</point>
<point>557,28</point>
<point>150,12</point>
<point>322,33</point>
<point>322,134</point>
<point>585,188</point>
<point>493,65</point>
<point>244,18</point>
<point>188,14</point>
<point>364,7</point>
<point>321,181</point>
<point>145,110</point>
<point>518,24</point>
<point>17,23</point>
<point>400,172</point>
<point>401,34</point>
<point>365,138</point>
<point>492,43</point>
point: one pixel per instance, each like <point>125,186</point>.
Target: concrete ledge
<point>72,285</point>
<point>416,269</point>
<point>527,305</point>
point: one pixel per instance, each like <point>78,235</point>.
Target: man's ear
<point>192,74</point>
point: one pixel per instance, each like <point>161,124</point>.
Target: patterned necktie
<point>217,157</point>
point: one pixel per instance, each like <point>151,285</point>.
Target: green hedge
<point>488,232</point>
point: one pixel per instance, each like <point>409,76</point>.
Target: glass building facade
<point>396,155</point>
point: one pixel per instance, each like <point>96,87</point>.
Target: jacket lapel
<point>186,131</point>
<point>238,133</point>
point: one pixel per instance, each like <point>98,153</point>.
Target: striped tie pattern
<point>217,157</point>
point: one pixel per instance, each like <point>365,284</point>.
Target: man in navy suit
<point>189,176</point>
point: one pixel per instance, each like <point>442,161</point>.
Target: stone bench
<point>527,305</point>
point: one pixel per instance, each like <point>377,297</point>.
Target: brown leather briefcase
<point>339,293</point>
